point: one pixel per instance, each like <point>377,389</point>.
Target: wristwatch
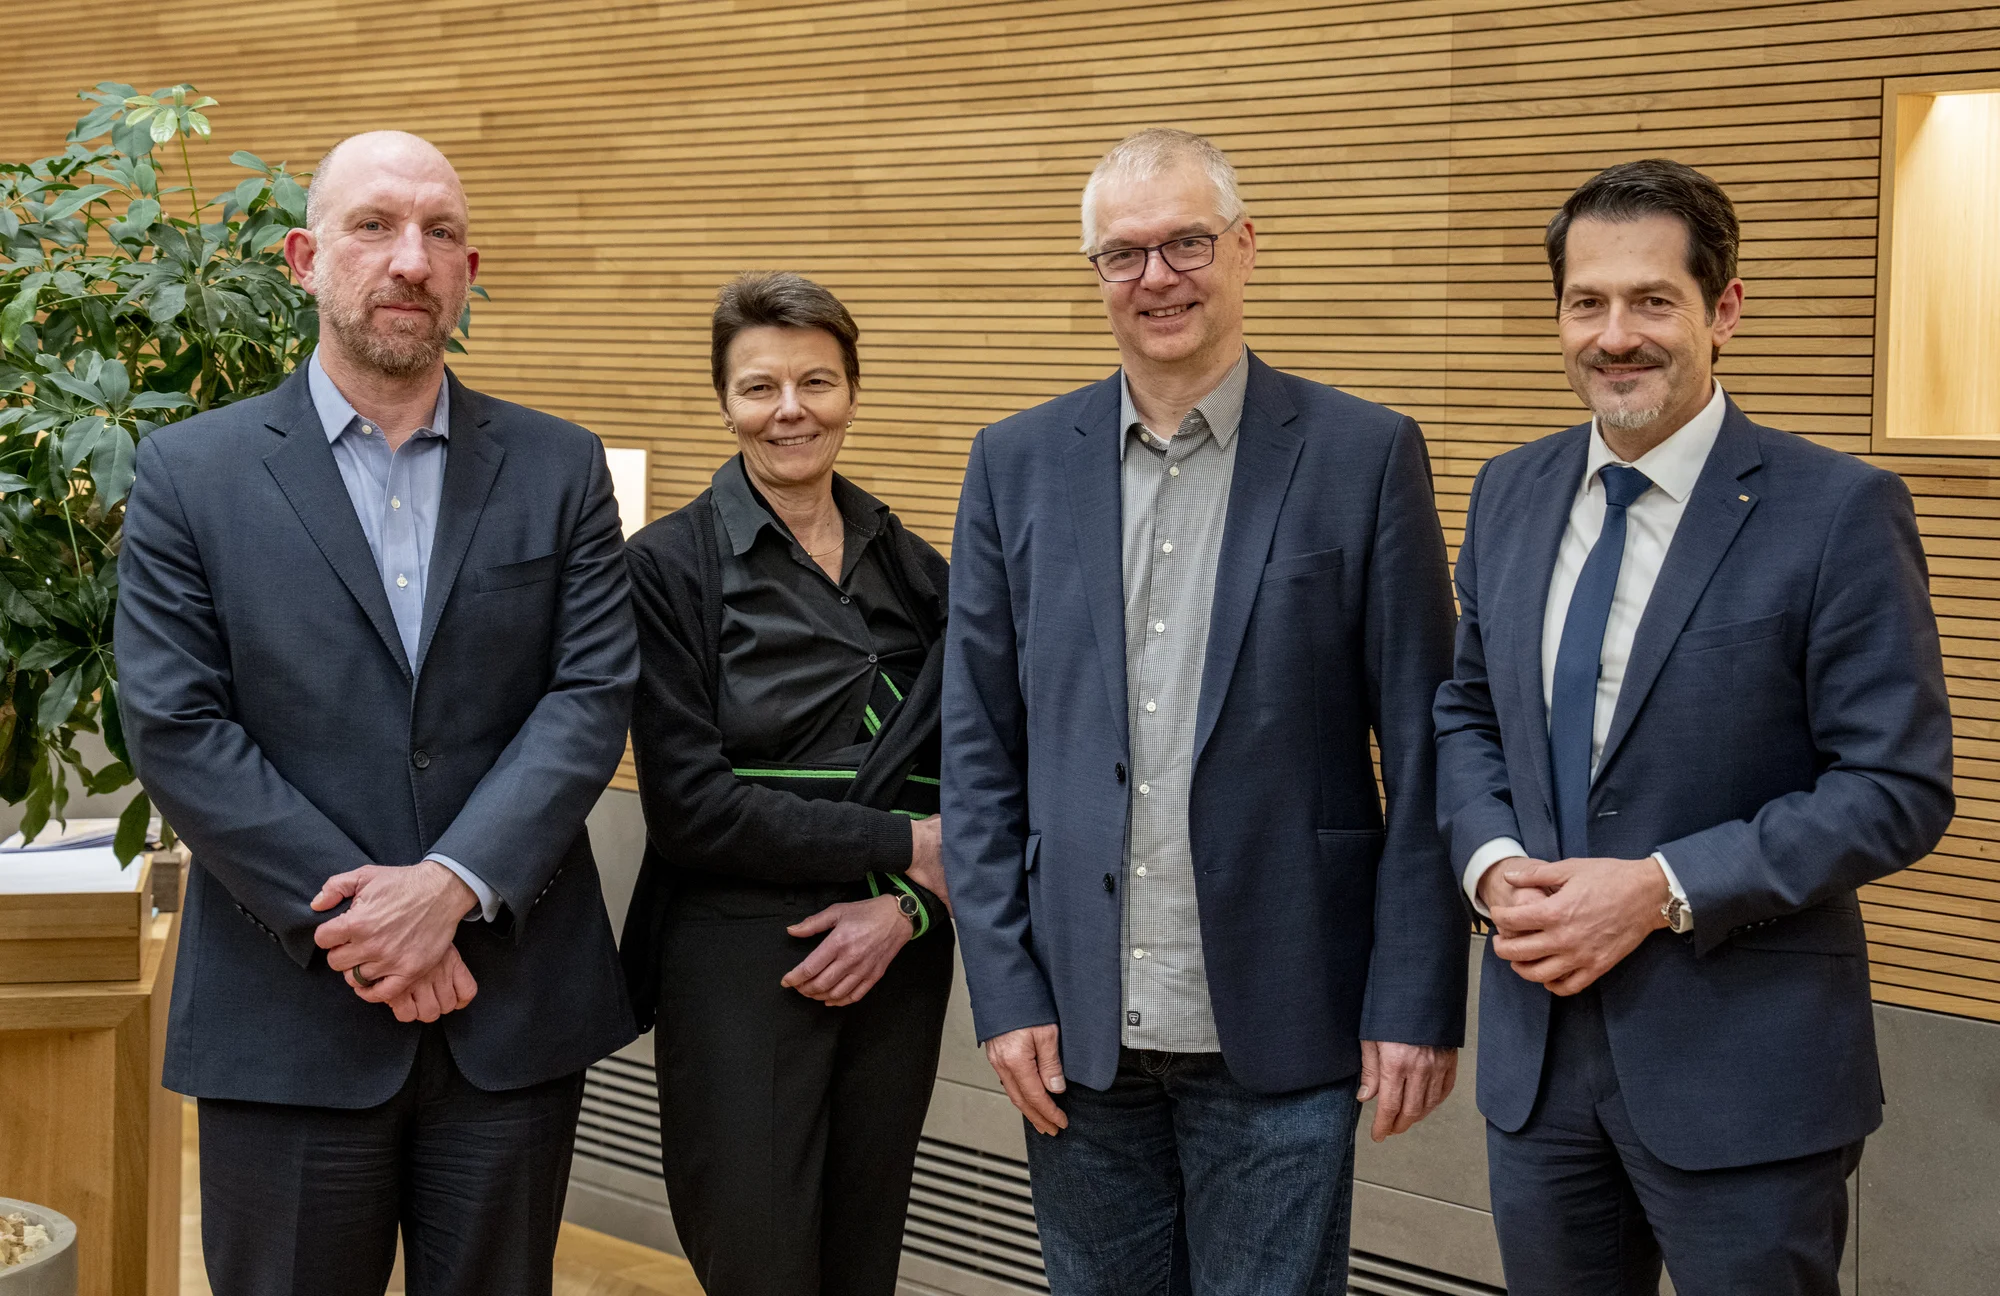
<point>907,905</point>
<point>1680,918</point>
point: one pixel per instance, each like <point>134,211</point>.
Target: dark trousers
<point>788,1129</point>
<point>1179,1180</point>
<point>307,1200</point>
<point>1583,1209</point>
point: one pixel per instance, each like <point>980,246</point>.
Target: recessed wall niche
<point>1937,315</point>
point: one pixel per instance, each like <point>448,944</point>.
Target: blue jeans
<point>1178,1181</point>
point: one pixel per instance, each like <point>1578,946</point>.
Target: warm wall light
<point>1937,315</point>
<point>628,485</point>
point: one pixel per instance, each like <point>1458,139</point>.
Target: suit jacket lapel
<point>471,463</point>
<point>1267,449</point>
<point>305,471</point>
<point>1093,471</point>
<point>1715,512</point>
<point>1527,597</point>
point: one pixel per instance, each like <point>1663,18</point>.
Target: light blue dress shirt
<point>396,496</point>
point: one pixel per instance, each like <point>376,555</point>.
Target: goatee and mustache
<point>1622,418</point>
<point>408,346</point>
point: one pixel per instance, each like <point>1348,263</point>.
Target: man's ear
<point>302,255</point>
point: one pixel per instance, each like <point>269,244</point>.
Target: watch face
<point>908,904</point>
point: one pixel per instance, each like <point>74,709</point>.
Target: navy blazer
<point>271,713</point>
<point>1321,922</point>
<point>1782,737</point>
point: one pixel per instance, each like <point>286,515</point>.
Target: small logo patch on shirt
<point>1131,1019</point>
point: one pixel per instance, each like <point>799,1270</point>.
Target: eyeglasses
<point>1188,252</point>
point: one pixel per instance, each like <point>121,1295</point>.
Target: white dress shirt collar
<point>1675,464</point>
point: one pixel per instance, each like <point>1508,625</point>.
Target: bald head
<point>397,157</point>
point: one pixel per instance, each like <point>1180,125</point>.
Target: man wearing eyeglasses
<point>1196,935</point>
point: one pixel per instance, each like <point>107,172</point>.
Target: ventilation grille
<point>620,1124</point>
<point>1378,1276</point>
<point>971,1210</point>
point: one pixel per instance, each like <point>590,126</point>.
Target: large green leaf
<point>290,198</point>
<point>45,653</point>
<point>167,302</point>
<point>111,466</point>
<point>79,440</point>
<point>75,201</point>
<point>60,699</point>
<point>132,826</point>
<point>21,309</point>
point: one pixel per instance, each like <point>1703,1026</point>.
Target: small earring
<point>849,427</point>
<point>731,426</point>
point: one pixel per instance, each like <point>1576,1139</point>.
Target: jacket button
<point>1120,770</point>
<point>421,759</point>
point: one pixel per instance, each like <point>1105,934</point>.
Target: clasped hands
<point>394,942</point>
<point>1564,924</point>
<point>862,936</point>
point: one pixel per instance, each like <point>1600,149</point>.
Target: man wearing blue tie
<point>1698,701</point>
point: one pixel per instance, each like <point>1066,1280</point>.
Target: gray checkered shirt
<point>1176,502</point>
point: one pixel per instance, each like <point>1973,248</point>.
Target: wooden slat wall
<point>923,159</point>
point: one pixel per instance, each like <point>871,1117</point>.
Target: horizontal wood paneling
<point>924,159</point>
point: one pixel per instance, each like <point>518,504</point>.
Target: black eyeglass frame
<point>1160,248</point>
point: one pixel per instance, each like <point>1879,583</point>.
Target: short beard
<point>1629,420</point>
<point>402,353</point>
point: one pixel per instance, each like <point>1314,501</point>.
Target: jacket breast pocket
<point>1305,564</point>
<point>533,571</point>
<point>1732,635</point>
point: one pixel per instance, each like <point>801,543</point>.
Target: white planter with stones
<point>49,1270</point>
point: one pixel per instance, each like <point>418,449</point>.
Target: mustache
<point>408,295</point>
<point>1640,355</point>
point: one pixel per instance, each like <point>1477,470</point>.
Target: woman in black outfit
<point>788,928</point>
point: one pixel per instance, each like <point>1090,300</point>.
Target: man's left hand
<point>1595,912</point>
<point>399,926</point>
<point>1408,1080</point>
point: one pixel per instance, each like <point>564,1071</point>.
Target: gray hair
<point>1154,151</point>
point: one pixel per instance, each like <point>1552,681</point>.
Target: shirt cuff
<point>489,902</point>
<point>1673,882</point>
<point>1485,858</point>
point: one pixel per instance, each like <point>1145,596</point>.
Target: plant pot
<point>49,1270</point>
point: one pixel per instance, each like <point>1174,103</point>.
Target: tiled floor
<point>587,1263</point>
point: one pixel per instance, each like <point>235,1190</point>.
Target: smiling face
<point>1169,318</point>
<point>1637,338</point>
<point>387,254</point>
<point>786,392</point>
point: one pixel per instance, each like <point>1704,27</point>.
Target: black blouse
<point>801,655</point>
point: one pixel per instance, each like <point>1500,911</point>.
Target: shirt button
<point>1145,789</point>
<point>1159,627</point>
<point>1168,547</point>
<point>845,600</point>
<point>1138,953</point>
<point>394,502</point>
<point>1174,471</point>
<point>871,659</point>
<point>1141,870</point>
<point>367,429</point>
<point>401,581</point>
<point>1152,706</point>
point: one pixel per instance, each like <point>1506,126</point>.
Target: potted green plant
<point>126,301</point>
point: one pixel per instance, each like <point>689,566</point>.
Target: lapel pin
<point>1744,498</point>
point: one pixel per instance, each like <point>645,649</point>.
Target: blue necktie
<point>1573,699</point>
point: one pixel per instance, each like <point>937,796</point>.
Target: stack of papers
<point>75,857</point>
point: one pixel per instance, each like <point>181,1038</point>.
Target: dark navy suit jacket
<point>1782,737</point>
<point>1321,922</point>
<point>273,717</point>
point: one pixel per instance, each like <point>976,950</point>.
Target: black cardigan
<point>699,815</point>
